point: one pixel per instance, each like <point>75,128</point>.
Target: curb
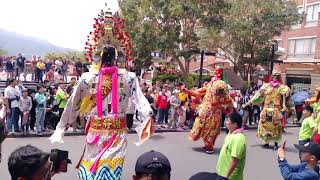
<point>48,134</point>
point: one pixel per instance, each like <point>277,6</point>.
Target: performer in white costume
<point>102,95</point>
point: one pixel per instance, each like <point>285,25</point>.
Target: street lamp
<point>201,65</point>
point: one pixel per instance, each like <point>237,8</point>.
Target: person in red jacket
<point>162,102</point>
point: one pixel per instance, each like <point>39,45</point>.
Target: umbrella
<point>299,97</point>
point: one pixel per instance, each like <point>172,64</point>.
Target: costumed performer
<point>102,95</point>
<point>215,99</point>
<point>273,96</point>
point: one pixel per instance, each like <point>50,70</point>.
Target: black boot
<point>266,146</point>
<point>276,146</point>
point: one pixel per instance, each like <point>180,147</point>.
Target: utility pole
<point>274,49</point>
<point>201,65</point>
<point>201,68</point>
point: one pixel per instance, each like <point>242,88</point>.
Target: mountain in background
<point>13,43</point>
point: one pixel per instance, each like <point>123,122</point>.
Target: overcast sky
<point>64,23</point>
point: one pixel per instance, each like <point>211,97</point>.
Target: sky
<point>64,23</point>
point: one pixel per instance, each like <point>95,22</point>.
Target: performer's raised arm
<point>196,93</point>
<point>145,129</point>
<point>257,95</point>
<point>70,112</point>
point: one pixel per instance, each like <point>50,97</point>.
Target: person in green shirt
<point>61,97</point>
<point>232,156</point>
<point>308,127</point>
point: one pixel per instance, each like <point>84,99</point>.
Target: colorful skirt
<point>270,128</point>
<point>208,130</point>
<point>105,149</point>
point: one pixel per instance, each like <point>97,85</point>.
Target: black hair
<point>39,86</point>
<point>11,81</point>
<point>46,81</point>
<point>108,56</point>
<point>73,78</point>
<point>236,118</point>
<point>25,161</point>
<point>308,108</point>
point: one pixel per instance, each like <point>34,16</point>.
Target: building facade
<point>301,58</point>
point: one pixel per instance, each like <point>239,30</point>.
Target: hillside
<point>14,43</point>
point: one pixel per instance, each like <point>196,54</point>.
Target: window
<point>313,12</point>
<point>302,47</point>
<point>298,25</point>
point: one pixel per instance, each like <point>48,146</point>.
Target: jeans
<point>40,115</point>
<point>25,127</point>
<point>161,115</point>
<point>13,119</point>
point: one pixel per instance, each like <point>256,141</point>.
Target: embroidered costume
<point>273,97</point>
<point>102,95</point>
<point>215,100</point>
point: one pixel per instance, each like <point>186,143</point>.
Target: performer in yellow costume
<point>208,121</point>
<point>273,97</point>
<point>103,95</point>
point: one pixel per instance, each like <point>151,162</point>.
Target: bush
<point>191,79</point>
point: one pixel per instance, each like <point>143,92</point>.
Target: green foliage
<point>191,79</point>
<point>2,52</point>
<point>248,28</point>
<point>169,26</point>
<point>70,55</point>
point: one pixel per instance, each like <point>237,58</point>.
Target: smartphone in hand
<point>284,144</point>
<point>60,160</point>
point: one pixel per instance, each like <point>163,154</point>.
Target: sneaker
<point>209,151</point>
<point>40,134</point>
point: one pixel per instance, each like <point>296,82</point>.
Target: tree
<point>169,26</point>
<point>245,31</point>
<point>70,55</point>
<point>2,52</point>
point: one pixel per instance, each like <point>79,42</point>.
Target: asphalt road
<point>186,157</point>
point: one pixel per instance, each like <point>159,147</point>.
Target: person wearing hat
<point>152,165</point>
<point>207,176</point>
<point>310,154</point>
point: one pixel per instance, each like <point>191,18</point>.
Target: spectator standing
<point>71,85</point>
<point>61,97</point>
<point>21,64</point>
<point>310,155</point>
<point>34,68</point>
<point>41,99</point>
<point>175,104</point>
<point>32,93</point>
<point>308,127</point>
<point>12,94</point>
<point>79,69</point>
<point>232,156</point>
<point>40,69</point>
<point>10,68</point>
<point>25,105</point>
<point>162,102</point>
<point>64,70</point>
<point>50,75</point>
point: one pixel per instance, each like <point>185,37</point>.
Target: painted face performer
<point>273,96</point>
<point>102,95</point>
<point>215,99</point>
